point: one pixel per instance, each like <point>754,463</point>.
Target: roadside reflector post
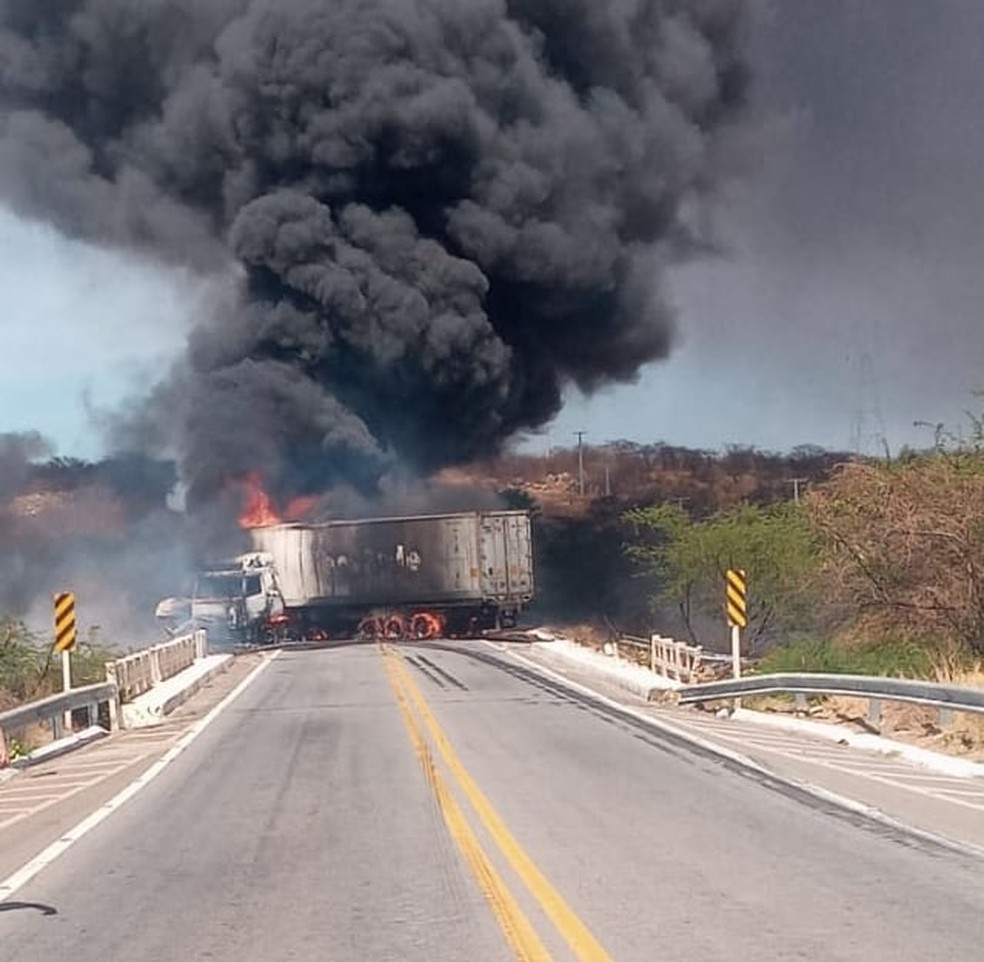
<point>736,605</point>
<point>66,634</point>
<point>874,712</point>
<point>67,685</point>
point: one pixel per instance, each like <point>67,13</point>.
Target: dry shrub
<point>905,549</point>
<point>591,636</point>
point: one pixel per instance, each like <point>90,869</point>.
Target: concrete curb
<point>144,714</point>
<point>622,674</point>
<point>181,697</point>
<point>54,750</point>
<point>925,758</point>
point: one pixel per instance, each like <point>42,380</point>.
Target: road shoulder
<point>889,787</point>
<point>46,800</point>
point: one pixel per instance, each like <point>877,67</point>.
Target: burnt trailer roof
<point>391,519</point>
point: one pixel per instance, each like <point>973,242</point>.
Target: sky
<point>849,306</point>
<point>844,306</point>
<point>83,330</point>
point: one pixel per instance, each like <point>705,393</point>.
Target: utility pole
<point>580,461</point>
<point>608,481</point>
<point>796,482</point>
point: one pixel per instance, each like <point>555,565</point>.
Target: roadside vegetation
<point>855,564</point>
<point>30,668</point>
<point>878,568</point>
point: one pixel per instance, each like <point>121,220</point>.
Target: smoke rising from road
<point>439,213</point>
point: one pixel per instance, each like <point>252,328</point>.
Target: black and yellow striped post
<point>736,591</point>
<point>736,604</point>
<point>66,634</point>
<point>66,631</point>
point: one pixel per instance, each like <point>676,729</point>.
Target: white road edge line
<point>25,873</point>
<point>822,794</point>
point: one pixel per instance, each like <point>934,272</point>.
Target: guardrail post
<point>115,713</point>
<point>652,654</point>
<point>946,717</point>
<point>800,701</point>
<point>874,712</point>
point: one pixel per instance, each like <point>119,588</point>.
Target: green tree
<point>22,664</point>
<point>774,545</point>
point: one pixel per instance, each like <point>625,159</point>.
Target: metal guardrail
<point>125,679</point>
<point>947,698</point>
<point>54,708</point>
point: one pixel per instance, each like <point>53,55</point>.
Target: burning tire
<point>425,626</point>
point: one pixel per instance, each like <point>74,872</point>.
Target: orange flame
<point>258,511</point>
<point>299,507</point>
<point>427,624</point>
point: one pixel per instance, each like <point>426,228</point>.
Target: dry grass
<point>584,633</point>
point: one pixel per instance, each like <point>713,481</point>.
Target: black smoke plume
<point>440,212</point>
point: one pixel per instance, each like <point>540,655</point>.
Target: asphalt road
<point>430,805</point>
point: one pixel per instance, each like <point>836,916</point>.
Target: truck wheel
<point>396,628</point>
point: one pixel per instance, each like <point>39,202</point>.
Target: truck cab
<point>234,601</point>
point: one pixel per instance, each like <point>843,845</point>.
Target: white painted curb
<point>61,747</point>
<point>923,757</point>
<point>151,708</point>
<point>612,669</point>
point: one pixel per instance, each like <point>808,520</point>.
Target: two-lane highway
<point>430,803</point>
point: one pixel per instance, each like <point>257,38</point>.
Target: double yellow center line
<point>515,925</point>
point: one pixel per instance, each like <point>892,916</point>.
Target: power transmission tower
<point>868,433</point>
<point>580,461</point>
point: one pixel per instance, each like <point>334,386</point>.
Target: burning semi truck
<point>412,577</point>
